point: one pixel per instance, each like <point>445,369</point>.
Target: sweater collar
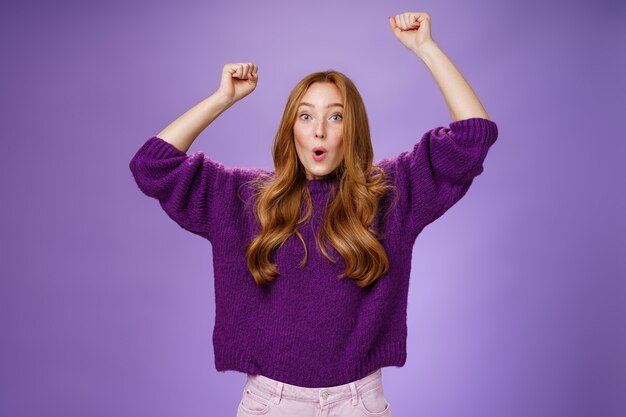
<point>321,185</point>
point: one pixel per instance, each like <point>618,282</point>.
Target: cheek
<point>339,145</point>
<point>297,136</point>
<point>340,153</point>
<point>300,151</point>
<point>301,133</point>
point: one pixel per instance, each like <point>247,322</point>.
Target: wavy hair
<point>354,199</point>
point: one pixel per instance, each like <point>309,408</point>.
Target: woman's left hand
<point>412,29</point>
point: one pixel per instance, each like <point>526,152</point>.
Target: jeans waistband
<point>277,390</point>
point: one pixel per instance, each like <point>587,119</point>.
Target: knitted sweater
<point>310,328</point>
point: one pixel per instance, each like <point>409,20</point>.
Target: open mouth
<point>319,154</point>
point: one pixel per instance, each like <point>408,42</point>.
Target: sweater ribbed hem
<point>157,148</point>
<point>386,354</point>
<point>474,130</point>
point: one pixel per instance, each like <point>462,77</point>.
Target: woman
<point>312,260</point>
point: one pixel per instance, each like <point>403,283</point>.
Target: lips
<point>319,153</point>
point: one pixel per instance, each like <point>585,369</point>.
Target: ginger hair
<point>354,199</point>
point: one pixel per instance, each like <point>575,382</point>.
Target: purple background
<point>518,297</point>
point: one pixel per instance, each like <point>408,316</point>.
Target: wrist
<point>223,98</point>
<point>425,50</point>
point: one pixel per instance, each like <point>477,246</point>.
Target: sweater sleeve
<point>191,188</point>
<point>440,168</point>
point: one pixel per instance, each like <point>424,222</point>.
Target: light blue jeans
<point>365,397</point>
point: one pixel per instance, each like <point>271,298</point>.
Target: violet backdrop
<point>107,305</point>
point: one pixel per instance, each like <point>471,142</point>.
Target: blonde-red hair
<point>354,203</point>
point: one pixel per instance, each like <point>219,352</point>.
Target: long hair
<point>354,201</point>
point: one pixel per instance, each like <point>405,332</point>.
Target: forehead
<point>321,94</point>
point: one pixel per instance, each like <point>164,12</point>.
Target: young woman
<point>312,260</point>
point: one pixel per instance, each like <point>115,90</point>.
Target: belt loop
<point>278,392</point>
<point>355,399</point>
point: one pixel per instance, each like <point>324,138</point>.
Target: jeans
<point>365,397</point>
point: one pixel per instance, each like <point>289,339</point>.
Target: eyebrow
<point>304,103</point>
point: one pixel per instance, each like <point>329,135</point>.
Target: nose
<point>319,130</point>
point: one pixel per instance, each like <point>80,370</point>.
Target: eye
<point>334,115</point>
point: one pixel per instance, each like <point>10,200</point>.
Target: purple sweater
<point>310,328</point>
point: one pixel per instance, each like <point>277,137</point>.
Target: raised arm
<point>192,188</point>
<point>238,80</point>
<point>413,30</point>
<point>441,167</point>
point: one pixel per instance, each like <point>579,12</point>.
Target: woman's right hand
<point>238,80</point>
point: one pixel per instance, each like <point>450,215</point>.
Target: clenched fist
<point>412,29</point>
<point>238,80</point>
